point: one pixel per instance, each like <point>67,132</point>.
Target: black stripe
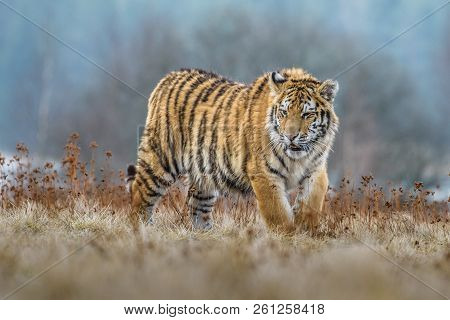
<point>272,119</point>
<point>206,205</point>
<point>234,182</point>
<point>226,160</point>
<point>280,159</point>
<point>246,157</point>
<point>276,172</point>
<point>191,89</point>
<point>200,142</point>
<point>162,158</point>
<point>238,112</point>
<point>191,122</point>
<point>156,149</point>
<point>140,181</point>
<point>158,181</point>
<point>212,88</point>
<point>328,119</point>
<point>169,129</point>
<point>142,197</point>
<point>227,149</point>
<point>208,74</point>
<point>305,81</point>
<point>195,104</point>
<point>197,100</point>
<point>229,167</point>
<point>306,175</point>
<point>212,155</point>
<point>180,89</point>
<point>202,210</point>
<point>149,190</point>
<point>213,145</point>
<point>260,88</point>
<point>256,95</point>
<point>229,106</point>
<point>227,181</point>
<point>158,91</point>
<point>222,90</point>
<point>231,184</point>
<point>272,116</point>
<point>317,157</point>
<point>157,106</point>
<point>203,198</point>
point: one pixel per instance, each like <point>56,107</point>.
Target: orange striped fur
<point>266,138</point>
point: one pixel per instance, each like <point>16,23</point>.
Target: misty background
<point>394,107</point>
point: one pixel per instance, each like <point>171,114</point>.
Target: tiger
<point>267,139</point>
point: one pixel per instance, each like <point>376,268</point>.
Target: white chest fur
<point>289,172</point>
<point>296,174</point>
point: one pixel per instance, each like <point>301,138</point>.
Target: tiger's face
<point>301,118</point>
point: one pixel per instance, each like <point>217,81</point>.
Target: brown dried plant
<point>57,186</point>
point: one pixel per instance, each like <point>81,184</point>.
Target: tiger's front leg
<point>309,203</point>
<point>273,204</point>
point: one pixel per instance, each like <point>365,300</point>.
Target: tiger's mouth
<point>295,147</point>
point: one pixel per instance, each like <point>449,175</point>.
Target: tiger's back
<point>192,123</point>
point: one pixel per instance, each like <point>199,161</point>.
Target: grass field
<point>70,228</point>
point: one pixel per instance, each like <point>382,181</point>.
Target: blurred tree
<point>393,119</point>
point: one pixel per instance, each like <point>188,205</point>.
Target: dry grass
<point>45,214</point>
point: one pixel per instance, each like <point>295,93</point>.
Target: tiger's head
<point>301,118</point>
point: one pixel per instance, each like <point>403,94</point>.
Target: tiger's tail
<point>131,175</point>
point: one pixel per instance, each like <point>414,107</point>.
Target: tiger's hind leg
<point>201,203</point>
<point>150,183</point>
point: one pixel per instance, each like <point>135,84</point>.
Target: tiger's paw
<point>307,221</point>
<point>202,222</point>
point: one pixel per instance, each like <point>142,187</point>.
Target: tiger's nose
<point>291,136</point>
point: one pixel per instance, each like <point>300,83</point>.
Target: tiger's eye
<point>308,115</point>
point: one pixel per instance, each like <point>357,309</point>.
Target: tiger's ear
<point>328,89</point>
<point>275,82</point>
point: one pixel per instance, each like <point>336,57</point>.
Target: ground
<point>237,259</point>
<point>65,233</point>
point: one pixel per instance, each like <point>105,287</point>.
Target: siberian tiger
<point>266,138</point>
